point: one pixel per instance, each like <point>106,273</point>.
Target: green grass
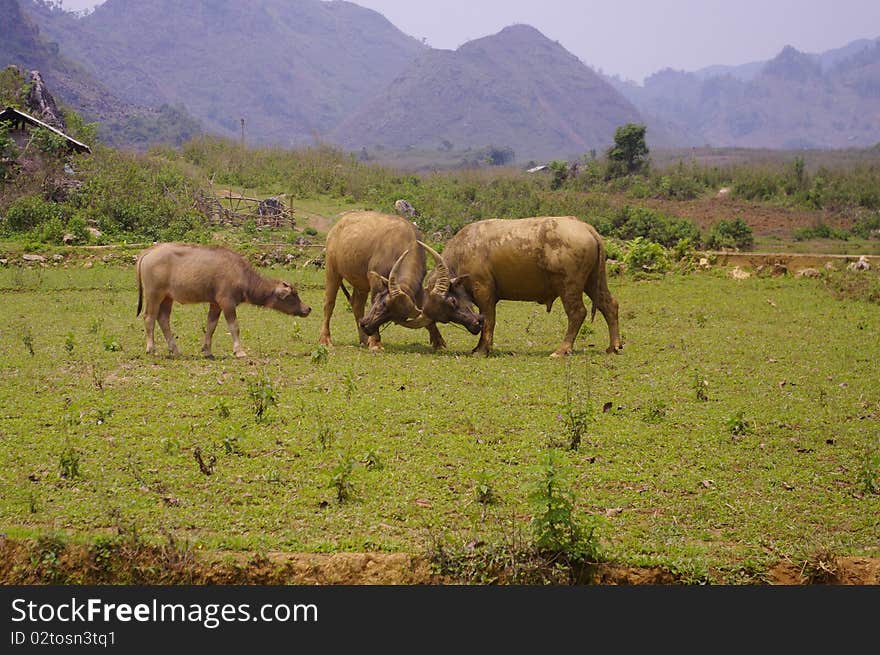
<point>660,466</point>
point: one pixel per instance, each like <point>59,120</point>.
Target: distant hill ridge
<point>795,100</point>
<point>307,71</point>
<point>516,88</point>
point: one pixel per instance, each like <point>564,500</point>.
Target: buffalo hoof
<point>240,354</point>
<point>208,355</point>
<point>440,345</point>
<point>561,353</point>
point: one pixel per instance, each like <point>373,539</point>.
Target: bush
<point>819,231</point>
<point>735,234</point>
<point>867,226</point>
<point>632,222</point>
<point>30,212</point>
<point>645,256</point>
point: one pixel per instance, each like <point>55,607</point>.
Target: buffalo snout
<point>369,330</point>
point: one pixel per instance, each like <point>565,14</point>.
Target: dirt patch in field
<point>50,562</point>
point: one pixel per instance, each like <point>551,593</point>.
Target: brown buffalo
<point>194,274</point>
<point>533,259</point>
<point>381,256</point>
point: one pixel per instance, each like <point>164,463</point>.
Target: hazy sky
<point>634,38</point>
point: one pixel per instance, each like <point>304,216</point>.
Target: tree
<point>629,154</point>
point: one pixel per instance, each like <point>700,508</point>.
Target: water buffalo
<point>534,259</point>
<point>194,274</point>
<point>381,256</point>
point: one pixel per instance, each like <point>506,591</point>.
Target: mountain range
<point>300,72</point>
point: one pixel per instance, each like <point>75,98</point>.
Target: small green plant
<point>326,436</point>
<point>222,408</point>
<point>170,445</point>
<point>97,375</point>
<point>69,343</point>
<point>231,444</point>
<point>350,385</point>
<point>341,480</point>
<point>47,557</point>
<point>555,528</point>
<point>111,344</point>
<point>372,460</point>
<point>28,340</point>
<point>654,411</point>
<point>576,419</point>
<point>738,425</point>
<point>575,416</point>
<point>484,492</point>
<point>69,462</point>
<point>262,395</point>
<point>700,385</point>
<point>102,415</point>
<point>320,354</point>
<point>869,472</point>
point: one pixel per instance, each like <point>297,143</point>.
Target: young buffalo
<point>194,274</point>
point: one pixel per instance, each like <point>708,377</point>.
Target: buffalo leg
<point>164,319</point>
<point>358,305</point>
<point>484,345</point>
<point>437,341</point>
<point>331,290</point>
<point>232,323</point>
<point>213,317</point>
<point>597,290</point>
<point>576,312</point>
<point>150,324</point>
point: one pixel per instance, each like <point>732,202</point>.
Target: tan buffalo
<point>169,272</point>
<point>533,259</point>
<point>382,257</point>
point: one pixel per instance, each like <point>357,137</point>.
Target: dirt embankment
<point>48,562</point>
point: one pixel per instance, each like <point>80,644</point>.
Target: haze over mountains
<point>306,71</point>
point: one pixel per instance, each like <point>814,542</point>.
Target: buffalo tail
<point>140,288</point>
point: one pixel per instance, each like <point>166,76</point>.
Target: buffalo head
<point>286,299</point>
<point>447,299</point>
<point>389,302</point>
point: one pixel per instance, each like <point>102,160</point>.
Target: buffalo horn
<point>441,286</point>
<point>394,289</point>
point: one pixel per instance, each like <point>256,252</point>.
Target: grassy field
<point>739,427</point>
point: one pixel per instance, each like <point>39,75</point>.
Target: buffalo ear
<point>284,290</point>
<point>458,279</point>
<point>377,280</point>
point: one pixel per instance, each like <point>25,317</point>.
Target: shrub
<point>647,256</point>
<point>730,234</point>
<point>867,226</point>
<point>555,528</point>
<point>632,222</point>
<point>29,212</point>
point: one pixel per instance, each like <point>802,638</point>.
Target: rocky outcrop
<point>41,104</point>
